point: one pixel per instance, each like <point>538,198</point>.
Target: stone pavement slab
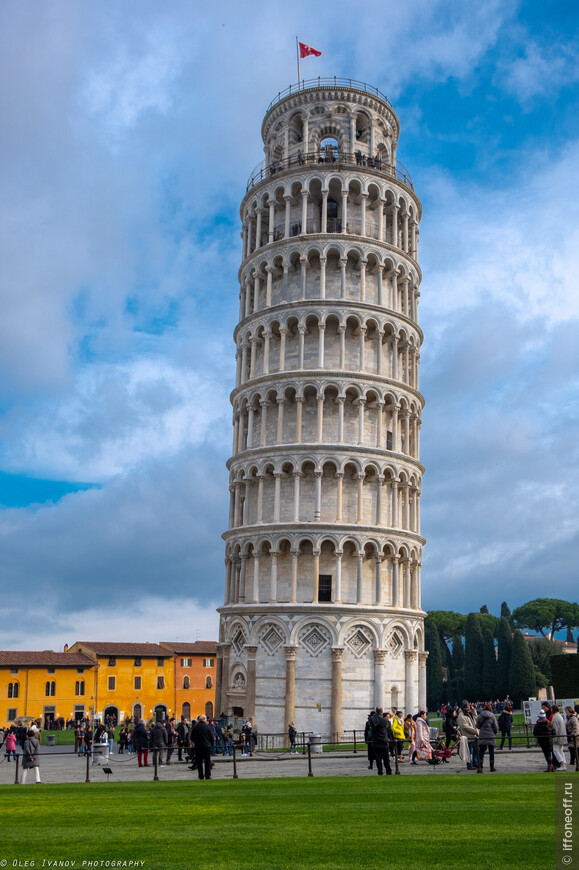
<point>60,766</point>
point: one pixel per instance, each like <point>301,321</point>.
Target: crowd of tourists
<point>472,729</point>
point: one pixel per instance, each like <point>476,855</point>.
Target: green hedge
<point>565,671</point>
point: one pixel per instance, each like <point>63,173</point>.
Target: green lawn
<point>285,824</point>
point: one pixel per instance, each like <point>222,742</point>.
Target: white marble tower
<point>322,618</point>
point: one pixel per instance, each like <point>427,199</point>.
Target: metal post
<point>235,776</point>
<point>397,771</point>
<point>478,758</point>
<point>576,753</point>
<point>16,771</point>
<point>310,772</point>
<point>527,732</point>
<point>355,747</point>
<point>303,742</point>
<point>88,754</point>
<point>156,764</point>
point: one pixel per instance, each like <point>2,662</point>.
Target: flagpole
<point>298,56</point>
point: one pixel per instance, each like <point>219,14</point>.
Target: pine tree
<point>522,683</point>
<point>505,639</point>
<point>473,644</point>
<point>569,638</point>
<point>489,666</point>
<point>434,685</point>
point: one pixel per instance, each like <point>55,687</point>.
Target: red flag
<point>306,50</point>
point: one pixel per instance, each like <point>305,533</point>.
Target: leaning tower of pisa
<point>322,619</point>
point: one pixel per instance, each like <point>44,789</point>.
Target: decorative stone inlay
<point>358,642</point>
<point>395,643</point>
<point>239,641</point>
<point>271,639</point>
<point>314,640</point>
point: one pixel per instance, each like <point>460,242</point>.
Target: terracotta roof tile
<point>104,648</point>
<point>200,647</point>
<point>43,658</point>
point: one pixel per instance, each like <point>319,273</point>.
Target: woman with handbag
<point>30,753</point>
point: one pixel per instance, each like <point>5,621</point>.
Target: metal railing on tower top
<point>329,82</point>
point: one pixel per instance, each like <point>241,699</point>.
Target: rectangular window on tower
<point>388,440</point>
<point>325,587</point>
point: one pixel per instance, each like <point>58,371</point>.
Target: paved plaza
<point>61,765</point>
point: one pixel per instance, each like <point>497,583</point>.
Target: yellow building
<point>194,677</point>
<point>130,679</point>
<point>44,685</point>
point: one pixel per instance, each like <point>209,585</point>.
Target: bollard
<point>478,758</point>
<point>527,733</point>
<point>156,764</point>
<point>397,771</point>
<point>16,772</point>
<point>303,742</point>
<point>355,748</point>
<point>88,754</point>
<point>235,776</point>
<point>310,772</point>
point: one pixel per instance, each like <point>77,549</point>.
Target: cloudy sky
<point>128,132</point>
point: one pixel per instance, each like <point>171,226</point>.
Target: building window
<point>185,663</point>
<point>137,662</point>
<point>208,683</point>
<point>50,688</point>
<point>325,587</point>
<point>388,440</point>
<point>80,670</point>
<point>50,670</point>
<point>13,690</point>
<point>13,670</point>
<point>208,663</point>
<point>160,663</point>
<point>112,684</point>
<point>160,682</point>
<point>137,684</point>
<point>79,687</point>
<point>186,683</point>
<point>112,662</point>
<point>11,713</point>
<point>186,710</point>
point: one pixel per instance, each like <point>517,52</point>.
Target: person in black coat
<point>544,732</point>
<point>141,744</point>
<point>202,737</point>
<point>381,737</point>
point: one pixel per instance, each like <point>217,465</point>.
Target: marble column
<point>379,668</point>
<point>411,696</point>
<point>336,726</point>
<point>249,710</point>
<point>290,684</point>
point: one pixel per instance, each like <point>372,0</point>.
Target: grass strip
<point>289,824</point>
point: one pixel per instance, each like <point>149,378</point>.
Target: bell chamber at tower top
<point>330,167</point>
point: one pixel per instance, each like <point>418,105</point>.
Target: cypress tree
<point>506,612</point>
<point>484,609</point>
<point>473,644</point>
<point>489,666</point>
<point>504,658</point>
<point>433,666</point>
<point>457,653</point>
<point>522,683</point>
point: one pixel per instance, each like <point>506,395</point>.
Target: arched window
<point>186,710</point>
<point>208,683</point>
<point>186,683</point>
<point>12,690</point>
<point>79,687</point>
